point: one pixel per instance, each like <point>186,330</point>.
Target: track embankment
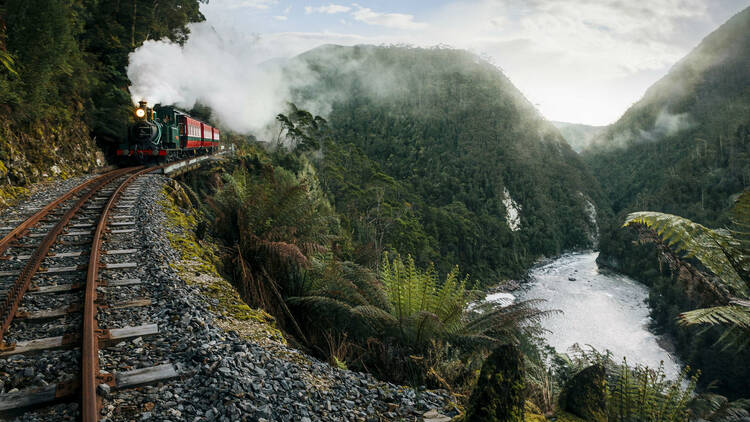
<point>196,351</point>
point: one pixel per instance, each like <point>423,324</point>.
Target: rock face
<point>499,394</point>
<point>585,396</point>
<point>42,151</point>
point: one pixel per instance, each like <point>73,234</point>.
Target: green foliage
<point>693,169</point>
<point>499,394</point>
<point>724,253</point>
<point>422,306</point>
<point>7,61</point>
<point>425,324</point>
<point>299,131</point>
<point>286,252</point>
<point>271,222</point>
<point>41,36</point>
<point>426,142</point>
<point>717,408</point>
<point>636,393</point>
<point>641,394</point>
<point>715,249</point>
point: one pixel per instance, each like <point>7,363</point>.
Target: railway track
<point>67,294</point>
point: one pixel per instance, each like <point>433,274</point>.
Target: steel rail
<point>16,292</point>
<point>90,376</point>
<point>31,221</point>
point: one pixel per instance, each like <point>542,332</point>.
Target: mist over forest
<point>462,211</point>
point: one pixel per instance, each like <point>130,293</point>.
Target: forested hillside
<point>447,157</point>
<point>683,149</point>
<point>63,86</point>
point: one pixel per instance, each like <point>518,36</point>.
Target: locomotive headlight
<point>140,112</point>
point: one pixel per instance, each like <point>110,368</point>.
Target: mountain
<point>683,148</point>
<point>440,145</point>
<point>579,136</point>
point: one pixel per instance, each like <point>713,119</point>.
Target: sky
<point>581,61</point>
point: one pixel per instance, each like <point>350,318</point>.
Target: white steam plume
<point>230,75</point>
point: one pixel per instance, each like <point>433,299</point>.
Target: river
<point>600,308</point>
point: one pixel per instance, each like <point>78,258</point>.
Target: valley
<point>286,211</point>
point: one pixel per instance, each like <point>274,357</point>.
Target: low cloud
<point>251,4</point>
<point>331,9</point>
<point>666,125</point>
<point>576,60</point>
<point>390,20</point>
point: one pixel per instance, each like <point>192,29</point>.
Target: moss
<point>585,394</point>
<point>567,417</point>
<point>197,267</point>
<point>11,195</point>
<point>39,152</point>
<point>533,413</point>
<point>499,393</point>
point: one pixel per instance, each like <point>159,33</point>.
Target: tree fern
<point>725,253</point>
<point>713,248</point>
<point>717,408</point>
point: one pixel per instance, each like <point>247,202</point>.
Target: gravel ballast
<point>223,375</point>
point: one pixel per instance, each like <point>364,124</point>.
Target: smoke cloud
<point>246,80</point>
<point>232,75</point>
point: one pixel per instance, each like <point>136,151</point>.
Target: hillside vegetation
<point>63,84</point>
<point>683,149</point>
<point>442,151</point>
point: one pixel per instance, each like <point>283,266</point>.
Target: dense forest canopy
<point>683,149</point>
<point>63,80</point>
<point>435,143</point>
<point>367,226</point>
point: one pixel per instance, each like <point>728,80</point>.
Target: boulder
<point>585,395</point>
<point>499,394</point>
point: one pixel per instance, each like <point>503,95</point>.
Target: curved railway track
<point>46,308</point>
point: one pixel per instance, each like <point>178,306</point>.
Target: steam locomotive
<point>164,133</point>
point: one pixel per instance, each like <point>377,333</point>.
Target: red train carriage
<point>192,134</point>
<point>207,136</point>
<point>215,143</point>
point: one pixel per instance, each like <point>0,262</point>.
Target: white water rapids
<point>603,309</point>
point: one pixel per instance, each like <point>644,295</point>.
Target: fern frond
<point>734,315</point>
<point>714,249</point>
